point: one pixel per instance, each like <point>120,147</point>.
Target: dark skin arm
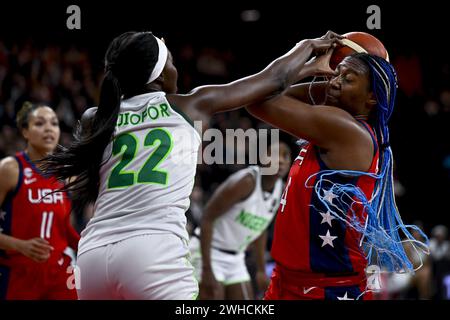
<point>319,66</point>
<point>202,102</point>
<point>301,92</point>
<point>235,189</point>
<point>347,144</point>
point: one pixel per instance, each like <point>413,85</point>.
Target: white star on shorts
<point>329,196</point>
<point>345,297</point>
<point>327,217</point>
<point>328,239</point>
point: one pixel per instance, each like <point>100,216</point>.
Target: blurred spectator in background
<point>408,286</point>
<point>440,255</point>
<point>420,285</point>
<point>439,243</point>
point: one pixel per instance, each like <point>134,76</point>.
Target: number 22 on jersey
<point>127,145</point>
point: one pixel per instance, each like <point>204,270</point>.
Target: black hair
<point>129,61</point>
<point>23,116</point>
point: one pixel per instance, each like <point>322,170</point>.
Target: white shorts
<point>145,267</point>
<point>227,268</point>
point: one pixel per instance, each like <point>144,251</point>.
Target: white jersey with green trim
<point>147,175</point>
<point>246,220</point>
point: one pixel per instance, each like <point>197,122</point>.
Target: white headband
<point>162,58</point>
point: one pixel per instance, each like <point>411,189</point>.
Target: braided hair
<point>383,233</point>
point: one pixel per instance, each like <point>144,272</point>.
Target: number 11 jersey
<point>35,210</point>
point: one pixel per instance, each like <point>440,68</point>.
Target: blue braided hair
<point>383,233</point>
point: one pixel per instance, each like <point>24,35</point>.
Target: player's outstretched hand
<point>326,42</point>
<point>320,65</point>
<point>36,249</point>
<point>331,35</point>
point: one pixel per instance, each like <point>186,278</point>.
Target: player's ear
<point>25,133</point>
<point>371,100</point>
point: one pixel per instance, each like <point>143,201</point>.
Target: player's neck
<point>363,117</point>
<point>35,154</point>
<point>268,182</point>
<point>151,87</point>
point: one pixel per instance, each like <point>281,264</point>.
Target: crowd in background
<point>67,79</point>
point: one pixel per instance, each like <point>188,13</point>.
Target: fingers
<point>325,71</point>
<point>38,249</point>
<point>332,35</point>
<point>40,253</point>
<point>39,257</point>
<point>323,45</point>
<point>339,42</point>
<point>329,52</point>
<point>42,244</point>
<point>321,65</point>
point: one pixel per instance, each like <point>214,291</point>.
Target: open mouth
<point>49,139</point>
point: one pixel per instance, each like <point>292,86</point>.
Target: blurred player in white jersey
<point>238,213</point>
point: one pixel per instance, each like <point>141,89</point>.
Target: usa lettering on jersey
<point>47,196</point>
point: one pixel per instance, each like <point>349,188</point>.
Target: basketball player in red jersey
<point>35,226</point>
<point>345,160</point>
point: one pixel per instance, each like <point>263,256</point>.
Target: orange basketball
<point>358,42</point>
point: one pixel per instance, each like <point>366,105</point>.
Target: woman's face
<point>284,159</point>
<point>350,88</point>
<point>43,130</point>
<point>170,74</point>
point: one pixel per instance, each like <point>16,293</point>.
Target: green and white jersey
<point>246,220</point>
<point>147,175</point>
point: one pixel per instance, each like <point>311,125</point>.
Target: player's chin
<point>48,147</point>
<point>332,101</point>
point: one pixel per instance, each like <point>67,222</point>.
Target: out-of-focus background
<point>215,42</point>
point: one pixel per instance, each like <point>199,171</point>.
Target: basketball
<point>358,42</point>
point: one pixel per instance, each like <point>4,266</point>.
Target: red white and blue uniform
<point>317,255</point>
<point>31,211</point>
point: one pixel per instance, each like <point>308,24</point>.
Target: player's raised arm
<point>333,129</point>
<point>275,78</point>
